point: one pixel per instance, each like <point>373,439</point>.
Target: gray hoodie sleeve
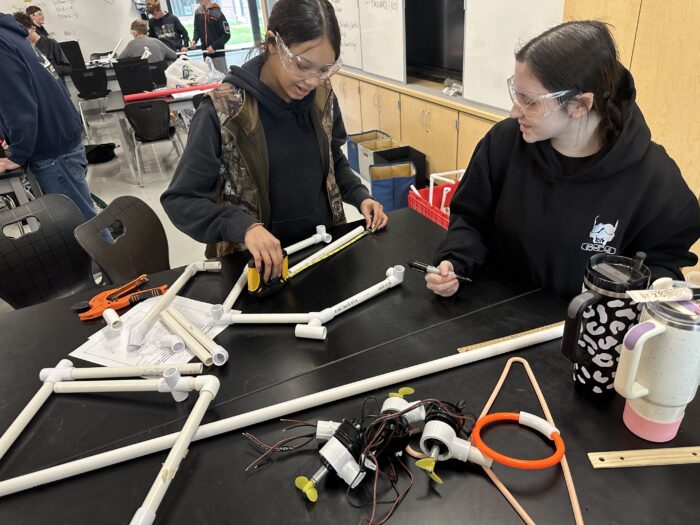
<point>351,188</point>
<point>192,199</point>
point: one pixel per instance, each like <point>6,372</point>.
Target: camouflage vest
<point>244,170</point>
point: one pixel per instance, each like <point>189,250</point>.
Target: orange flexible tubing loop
<point>527,464</point>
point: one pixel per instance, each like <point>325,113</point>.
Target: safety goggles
<point>302,67</point>
<point>536,105</point>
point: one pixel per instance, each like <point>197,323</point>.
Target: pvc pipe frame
<point>151,446</point>
<point>138,333</point>
<point>240,284</point>
<point>310,325</point>
<point>64,371</point>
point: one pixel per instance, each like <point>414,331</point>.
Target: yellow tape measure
<point>329,254</point>
<point>509,337</point>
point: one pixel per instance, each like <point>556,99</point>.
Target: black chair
<point>133,75</point>
<point>150,122</point>
<point>71,48</point>
<point>157,70</point>
<point>91,85</point>
<point>46,262</point>
<point>143,247</point>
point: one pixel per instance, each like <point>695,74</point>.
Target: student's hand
<point>374,215</point>
<point>193,45</point>
<point>210,50</point>
<point>445,284</point>
<point>266,250</point>
<point>186,49</point>
<point>7,165</point>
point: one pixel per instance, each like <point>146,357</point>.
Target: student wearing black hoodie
<point>47,45</point>
<point>167,28</point>
<point>572,173</point>
<point>39,124</point>
<point>212,31</point>
<point>263,164</point>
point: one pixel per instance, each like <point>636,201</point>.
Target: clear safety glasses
<point>302,67</point>
<point>536,105</point>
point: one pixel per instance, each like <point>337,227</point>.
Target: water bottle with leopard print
<point>598,319</point>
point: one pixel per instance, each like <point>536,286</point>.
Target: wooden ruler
<point>644,458</point>
<point>509,337</point>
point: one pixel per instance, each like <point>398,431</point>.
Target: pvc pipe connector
<point>395,274</point>
<point>323,316</point>
<point>143,516</point>
<point>137,335</point>
<point>217,311</point>
<point>463,450</point>
<point>178,386</point>
<point>171,342</point>
<point>321,235</point>
<point>534,422</point>
<point>313,330</point>
<point>399,404</point>
<point>61,372</point>
<point>219,355</point>
<point>208,384</point>
<point>112,319</point>
<point>206,266</point>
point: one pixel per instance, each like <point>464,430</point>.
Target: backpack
<point>99,153</point>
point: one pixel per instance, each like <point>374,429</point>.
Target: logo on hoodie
<point>601,234</point>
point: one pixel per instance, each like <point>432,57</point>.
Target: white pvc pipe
<point>297,268</point>
<point>239,318</point>
<point>208,387</point>
<point>254,417</point>
<point>319,236</point>
<point>134,371</point>
<point>138,333</point>
<point>233,295</point>
<point>218,353</point>
<point>119,385</point>
<point>24,417</point>
<point>394,277</point>
<point>443,176</point>
<point>194,346</point>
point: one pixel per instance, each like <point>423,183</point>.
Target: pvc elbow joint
<point>395,274</point>
<point>208,384</point>
<point>61,372</point>
<point>137,336</point>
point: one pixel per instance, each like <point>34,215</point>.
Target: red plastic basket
<point>434,213</point>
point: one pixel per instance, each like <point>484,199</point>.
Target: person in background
<point>137,47</point>
<point>37,16</point>
<point>572,173</point>
<point>263,165</point>
<point>167,28</point>
<point>212,31</point>
<point>48,46</point>
<point>40,125</point>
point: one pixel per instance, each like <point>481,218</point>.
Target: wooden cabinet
<point>380,109</point>
<point>347,90</point>
<point>431,129</point>
<point>471,130</point>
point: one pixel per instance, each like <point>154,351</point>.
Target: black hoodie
<point>169,30</point>
<point>297,169</point>
<point>520,205</point>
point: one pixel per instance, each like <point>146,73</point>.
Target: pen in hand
<point>426,268</point>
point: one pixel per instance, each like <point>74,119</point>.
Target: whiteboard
<point>96,24</point>
<point>492,33</point>
<point>383,34</point>
<point>348,14</point>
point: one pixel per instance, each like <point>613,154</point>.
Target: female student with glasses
<point>263,164</point>
<point>572,173</point>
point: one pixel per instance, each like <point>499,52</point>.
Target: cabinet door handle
<point>421,118</point>
<point>427,119</point>
<point>375,99</point>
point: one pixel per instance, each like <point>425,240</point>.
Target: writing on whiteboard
<point>65,9</point>
<point>387,5</point>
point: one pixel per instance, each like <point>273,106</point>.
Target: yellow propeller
<point>307,486</point>
<point>403,391</point>
<point>428,464</point>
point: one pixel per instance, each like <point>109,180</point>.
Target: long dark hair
<point>581,56</point>
<point>297,21</point>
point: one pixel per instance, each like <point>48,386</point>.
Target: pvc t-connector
<point>313,330</point>
<point>172,382</point>
<point>143,516</point>
<point>395,274</point>
<point>61,372</point>
<point>217,311</point>
<point>112,319</point>
<point>171,342</point>
<point>321,235</point>
<point>323,316</point>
